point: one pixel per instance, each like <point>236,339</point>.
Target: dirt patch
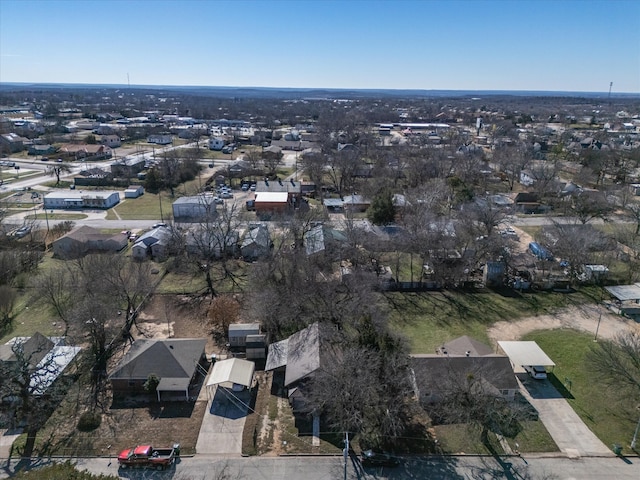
<point>178,316</point>
<point>579,317</point>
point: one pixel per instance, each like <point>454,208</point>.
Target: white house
<point>160,139</point>
<point>111,141</point>
<point>216,143</point>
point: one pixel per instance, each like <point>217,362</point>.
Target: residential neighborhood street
<point>330,468</point>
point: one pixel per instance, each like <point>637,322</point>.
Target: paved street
<point>331,468</point>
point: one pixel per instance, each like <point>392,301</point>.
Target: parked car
<point>22,232</point>
<point>156,225</point>
<point>371,458</point>
<point>536,371</point>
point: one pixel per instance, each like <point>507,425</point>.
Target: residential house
<point>12,142</point>
<point>85,151</point>
<point>194,208</point>
<point>212,240</point>
<point>175,362</point>
<point>153,244</point>
<point>356,203</point>
<point>256,243</point>
<point>323,239</point>
<point>462,357</point>
<point>435,376</point>
<point>216,143</point>
<point>82,240</point>
<point>160,139</point>
<point>297,358</point>
<point>128,167</point>
<point>47,357</point>
<point>527,178</point>
<point>41,149</point>
<point>527,202</point>
<point>111,141</point>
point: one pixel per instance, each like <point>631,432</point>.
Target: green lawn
<point>145,207</point>
<point>459,438</point>
<point>611,418</point>
<point>533,437</point>
<point>429,319</point>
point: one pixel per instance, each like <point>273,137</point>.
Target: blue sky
<point>560,45</point>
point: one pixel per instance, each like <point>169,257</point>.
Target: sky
<point>542,45</point>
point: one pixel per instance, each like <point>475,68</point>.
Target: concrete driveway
<point>223,423</point>
<point>564,425</point>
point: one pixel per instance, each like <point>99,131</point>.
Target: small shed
<point>134,191</point>
<point>256,346</point>
<point>525,353</point>
<point>238,333</point>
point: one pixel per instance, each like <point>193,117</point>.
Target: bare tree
<point>465,396</point>
<point>31,384</point>
<point>7,302</point>
<point>57,170</point>
<point>617,362</point>
<point>511,161</point>
<point>212,243</point>
<point>54,288</point>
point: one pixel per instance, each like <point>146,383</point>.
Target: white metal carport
<point>231,372</point>
<point>525,353</point>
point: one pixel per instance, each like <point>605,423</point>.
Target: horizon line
<point>334,89</point>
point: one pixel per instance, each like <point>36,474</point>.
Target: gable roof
<point>158,234</point>
<point>461,345</point>
<point>301,353</point>
<point>33,349</point>
<point>431,371</point>
<point>169,358</point>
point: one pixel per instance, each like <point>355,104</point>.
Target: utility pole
<point>635,435</point>
<point>346,453</point>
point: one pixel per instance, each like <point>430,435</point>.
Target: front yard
<point>611,417</point>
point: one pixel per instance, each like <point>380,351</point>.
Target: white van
<point>536,371</point>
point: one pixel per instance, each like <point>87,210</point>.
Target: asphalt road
<point>332,468</point>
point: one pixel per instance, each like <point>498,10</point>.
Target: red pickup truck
<point>148,456</point>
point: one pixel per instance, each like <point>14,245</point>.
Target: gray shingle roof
<point>171,358</point>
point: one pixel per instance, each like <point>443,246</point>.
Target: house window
<point>504,392</point>
<point>132,383</point>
